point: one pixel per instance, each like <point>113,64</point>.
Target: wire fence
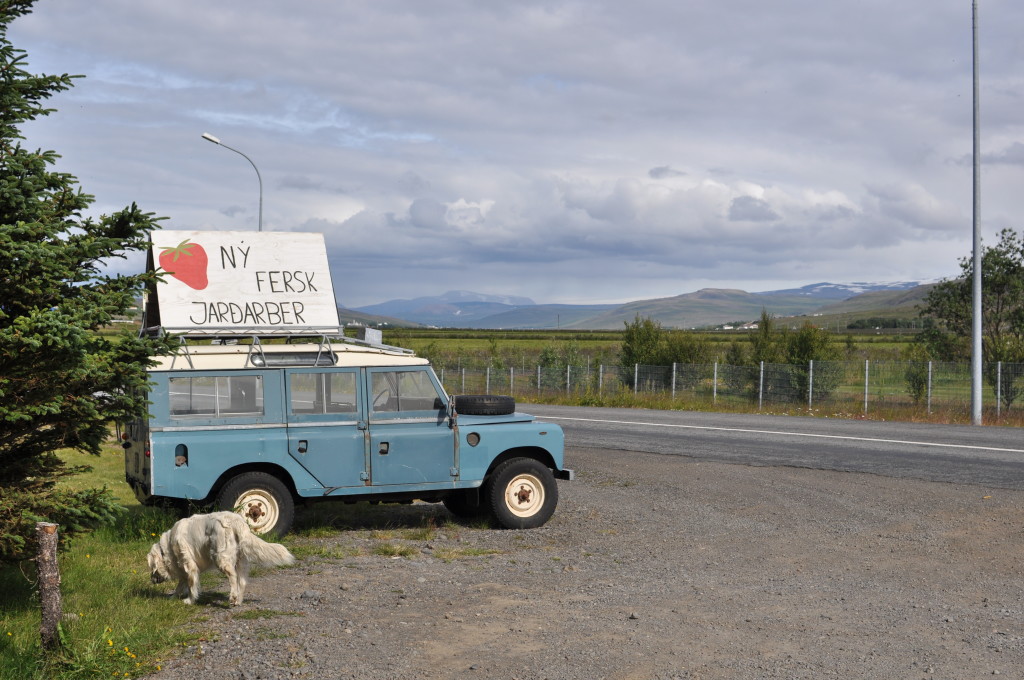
<point>852,386</point>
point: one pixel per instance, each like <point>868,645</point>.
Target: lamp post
<point>210,138</point>
<point>976,298</point>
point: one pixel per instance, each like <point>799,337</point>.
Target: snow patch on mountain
<point>842,291</point>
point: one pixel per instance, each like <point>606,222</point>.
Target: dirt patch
<point>653,567</point>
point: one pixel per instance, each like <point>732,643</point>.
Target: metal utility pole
<point>976,311</point>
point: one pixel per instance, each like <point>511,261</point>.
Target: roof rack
<point>324,337</point>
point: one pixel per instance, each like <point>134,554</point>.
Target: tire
<point>484,404</point>
<point>262,499</point>
<point>522,494</point>
<point>465,504</point>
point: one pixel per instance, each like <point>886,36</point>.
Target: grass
<point>256,614</point>
<point>458,348</point>
<point>389,549</point>
<point>114,622</point>
<point>882,408</point>
<point>451,554</point>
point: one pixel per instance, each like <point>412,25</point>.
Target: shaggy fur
<point>201,542</point>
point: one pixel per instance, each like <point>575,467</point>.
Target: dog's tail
<point>263,554</point>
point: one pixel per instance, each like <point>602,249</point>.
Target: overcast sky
<point>571,152</point>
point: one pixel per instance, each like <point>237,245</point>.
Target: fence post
<point>538,380</point>
<point>487,382</point>
<point>929,388</point>
<point>714,386</point>
<point>999,388</point>
<point>760,389</point>
<point>866,367</point>
<point>636,378</point>
<point>49,584</point>
<point>442,376</point>
<point>512,380</point>
<point>810,384</point>
<point>568,379</point>
<point>463,380</point>
<point>600,379</point>
<point>673,381</point>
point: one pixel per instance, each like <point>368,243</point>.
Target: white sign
<point>245,281</point>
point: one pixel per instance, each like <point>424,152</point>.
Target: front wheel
<point>522,494</point>
<point>262,499</point>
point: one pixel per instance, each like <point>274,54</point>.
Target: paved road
<point>992,456</point>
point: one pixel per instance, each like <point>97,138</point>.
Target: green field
<point>473,348</point>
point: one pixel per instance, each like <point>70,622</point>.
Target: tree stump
<point>49,584</point>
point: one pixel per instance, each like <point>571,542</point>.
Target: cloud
<point>300,182</point>
<point>1012,155</point>
<point>750,209</point>
<point>664,172</point>
<point>559,150</point>
<point>232,211</point>
<point>425,213</point>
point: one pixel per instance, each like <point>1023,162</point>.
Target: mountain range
<point>702,308</point>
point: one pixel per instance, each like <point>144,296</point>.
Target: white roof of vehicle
<point>250,356</point>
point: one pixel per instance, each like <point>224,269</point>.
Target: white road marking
<point>788,434</point>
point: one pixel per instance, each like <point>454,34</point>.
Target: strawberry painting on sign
<point>186,262</point>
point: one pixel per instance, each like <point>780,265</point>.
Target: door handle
<point>384,448</point>
<point>303,446</point>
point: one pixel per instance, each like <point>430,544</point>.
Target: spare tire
<point>484,404</point>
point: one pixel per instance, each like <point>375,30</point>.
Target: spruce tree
<point>62,383</point>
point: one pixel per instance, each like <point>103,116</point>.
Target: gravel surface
<point>653,567</point>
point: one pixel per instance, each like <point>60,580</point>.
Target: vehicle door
<point>327,424</point>
<point>410,441</point>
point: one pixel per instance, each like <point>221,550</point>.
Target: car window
<point>320,393</point>
<point>217,396</point>
<point>397,391</point>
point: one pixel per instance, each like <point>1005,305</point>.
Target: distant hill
<point>843,291</point>
<point>704,308</point>
<point>456,308</point>
<point>351,317</point>
<point>545,316</point>
<point>892,302</point>
<point>707,307</point>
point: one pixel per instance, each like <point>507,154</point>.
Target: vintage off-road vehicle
<point>256,426</point>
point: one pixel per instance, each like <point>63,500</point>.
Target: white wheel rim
<point>524,495</point>
<point>260,510</point>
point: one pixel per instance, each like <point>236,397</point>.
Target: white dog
<point>201,542</point>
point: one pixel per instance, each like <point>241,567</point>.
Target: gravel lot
<point>653,567</point>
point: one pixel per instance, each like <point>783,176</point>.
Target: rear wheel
<point>522,494</point>
<point>262,499</point>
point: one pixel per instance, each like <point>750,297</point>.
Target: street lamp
<point>976,298</point>
<point>210,138</point>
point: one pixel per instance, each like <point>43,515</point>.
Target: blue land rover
<point>254,427</point>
